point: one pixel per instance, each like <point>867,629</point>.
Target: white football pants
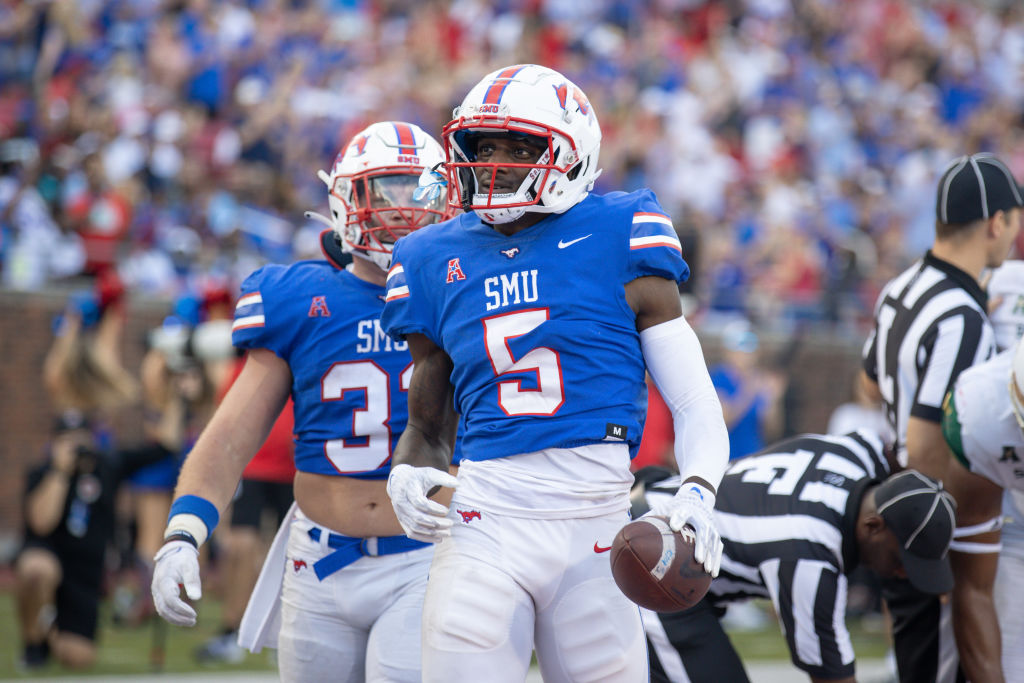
<point>503,586</point>
<point>361,623</point>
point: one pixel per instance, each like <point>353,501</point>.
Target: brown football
<point>654,567</point>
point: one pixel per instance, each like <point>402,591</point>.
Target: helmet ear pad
<point>330,245</point>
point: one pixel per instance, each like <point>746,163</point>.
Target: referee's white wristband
<point>190,524</point>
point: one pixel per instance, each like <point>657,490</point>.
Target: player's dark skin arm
<point>655,300</point>
<point>975,624</point>
<point>870,387</point>
<point>429,437</point>
<point>926,447</point>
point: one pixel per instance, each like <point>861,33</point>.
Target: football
<point>654,567</point>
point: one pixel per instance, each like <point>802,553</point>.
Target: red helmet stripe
<point>406,138</point>
<point>497,88</point>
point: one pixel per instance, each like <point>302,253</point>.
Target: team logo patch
<point>318,308</point>
<point>454,271</point>
<point>511,253</point>
<point>298,564</point>
<point>834,479</point>
<point>1009,455</point>
<point>469,515</point>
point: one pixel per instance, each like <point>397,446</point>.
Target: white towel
<point>262,619</point>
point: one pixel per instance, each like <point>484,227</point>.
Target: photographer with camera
<point>69,516</point>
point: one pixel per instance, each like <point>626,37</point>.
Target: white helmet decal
<point>524,100</point>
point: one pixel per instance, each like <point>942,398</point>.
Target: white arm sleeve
<point>676,363</point>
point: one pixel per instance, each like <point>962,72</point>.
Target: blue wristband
<point>198,506</point>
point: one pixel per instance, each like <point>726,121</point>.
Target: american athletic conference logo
<point>454,271</point>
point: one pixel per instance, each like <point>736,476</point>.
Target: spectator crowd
<point>796,143</point>
<point>167,148</point>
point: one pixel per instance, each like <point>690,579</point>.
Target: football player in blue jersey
<point>533,316</point>
<point>341,592</point>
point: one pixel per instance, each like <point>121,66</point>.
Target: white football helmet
<point>371,189</point>
<point>523,100</point>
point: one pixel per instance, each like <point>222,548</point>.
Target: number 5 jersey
<point>544,344</point>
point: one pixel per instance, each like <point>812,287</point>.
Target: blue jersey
<point>349,379</point>
<point>544,345</point>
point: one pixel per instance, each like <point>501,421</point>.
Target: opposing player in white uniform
<point>532,316</point>
<point>983,424</point>
<point>342,591</point>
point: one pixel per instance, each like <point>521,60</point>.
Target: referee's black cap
<point>975,187</point>
<point>923,516</point>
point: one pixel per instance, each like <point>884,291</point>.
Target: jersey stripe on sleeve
<point>249,312</point>
<point>653,230</point>
<point>397,287</point>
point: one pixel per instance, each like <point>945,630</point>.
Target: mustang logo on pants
<point>469,515</point>
<point>298,564</point>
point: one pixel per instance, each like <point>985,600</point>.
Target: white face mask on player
<point>525,101</point>
<point>371,189</point>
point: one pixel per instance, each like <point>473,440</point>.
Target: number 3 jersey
<point>349,379</point>
<point>544,345</point>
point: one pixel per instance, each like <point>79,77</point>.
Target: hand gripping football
<point>654,566</point>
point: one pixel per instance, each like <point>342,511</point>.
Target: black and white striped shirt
<point>930,325</point>
<point>787,517</point>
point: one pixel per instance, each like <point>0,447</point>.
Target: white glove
<point>421,518</point>
<point>693,505</point>
<point>177,564</point>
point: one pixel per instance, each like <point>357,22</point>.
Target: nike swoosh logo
<point>597,548</point>
<point>563,245</point>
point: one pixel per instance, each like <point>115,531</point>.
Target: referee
<point>930,324</point>
<point>796,519</point>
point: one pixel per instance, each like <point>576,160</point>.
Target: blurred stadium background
<point>796,143</point>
